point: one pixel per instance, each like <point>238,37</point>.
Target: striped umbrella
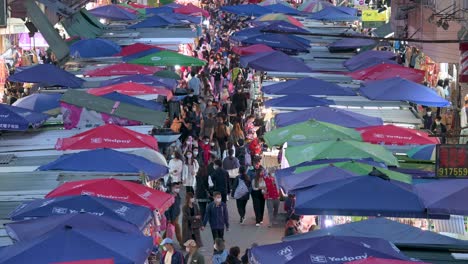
<point>313,6</point>
<point>425,152</point>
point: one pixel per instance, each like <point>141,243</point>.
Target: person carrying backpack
<point>241,192</point>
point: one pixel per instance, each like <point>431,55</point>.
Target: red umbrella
<point>131,89</point>
<point>95,261</point>
<point>107,136</point>
<point>191,10</point>
<point>136,48</point>
<point>119,190</point>
<point>372,260</point>
<point>137,5</point>
<point>385,71</point>
<point>394,135</point>
<point>252,49</point>
<point>122,69</point>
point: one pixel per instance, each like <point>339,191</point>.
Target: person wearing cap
<point>193,256</point>
<point>170,255</point>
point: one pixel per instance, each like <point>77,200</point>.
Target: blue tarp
<point>19,119</point>
<point>39,102</point>
<point>112,12</point>
<point>47,75</point>
<point>392,231</point>
<point>142,79</point>
<point>362,56</point>
<point>367,63</point>
<point>134,214</point>
<point>334,13</point>
<point>71,244</point>
<point>308,86</point>
<point>90,48</point>
<point>275,61</point>
<point>278,41</point>
<point>398,89</point>
<point>283,9</point>
<point>30,229</point>
<point>327,114</point>
<point>115,96</point>
<point>159,10</point>
<point>246,10</point>
<point>106,160</point>
<point>296,100</point>
<point>158,20</point>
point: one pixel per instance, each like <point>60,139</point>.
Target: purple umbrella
<point>142,79</point>
<point>19,119</point>
<point>112,12</point>
<point>386,55</point>
<point>297,100</point>
<point>275,61</point>
<point>445,196</point>
<point>308,86</point>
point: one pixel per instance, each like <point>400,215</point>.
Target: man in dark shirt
<point>216,72</point>
<point>172,214</point>
<point>220,178</point>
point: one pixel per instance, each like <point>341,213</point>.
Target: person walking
<point>176,167</point>
<point>170,255</point>
<point>193,256</point>
<point>241,192</point>
<point>202,189</point>
<point>231,165</point>
<point>220,253</point>
<point>220,178</point>
<point>172,214</point>
<point>218,217</point>
<point>258,188</point>
<point>191,220</point>
<point>272,196</point>
<point>191,168</point>
<point>233,257</point>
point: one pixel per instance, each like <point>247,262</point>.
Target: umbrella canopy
<point>252,49</point>
<point>19,119</point>
<point>339,149</point>
<point>386,71</point>
<point>131,89</point>
<point>158,20</point>
<point>368,62</point>
<point>282,27</point>
<point>311,6</point>
<point>95,261</point>
<point>106,160</point>
<point>153,105</point>
<point>43,208</point>
<point>271,2</point>
<point>335,13</point>
<point>394,135</point>
<point>426,152</point>
<point>373,260</point>
<point>71,244</point>
<point>277,41</point>
<point>112,12</point>
<point>282,17</point>
<point>191,10</point>
<point>283,8</point>
<point>332,115</point>
<point>350,43</point>
<point>96,47</point>
<point>308,132</point>
<point>39,102</point>
<point>168,58</point>
<point>386,55</point>
<point>122,69</point>
<point>398,89</point>
<point>187,18</point>
<point>159,10</point>
<point>107,136</point>
<point>297,100</point>
<point>360,196</point>
<point>124,191</point>
<point>30,229</point>
<point>275,61</point>
<point>48,75</point>
<point>167,74</point>
<point>137,48</point>
<point>142,79</point>
<point>246,10</point>
<point>325,249</point>
<point>445,196</point>
<point>308,86</point>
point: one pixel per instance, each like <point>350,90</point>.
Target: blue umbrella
<point>73,244</point>
<point>19,119</point>
<point>112,12</point>
<point>39,102</point>
<point>115,96</point>
<point>335,13</point>
<point>159,20</point>
<point>47,75</point>
<point>106,160</point>
<point>29,229</point>
<point>142,79</point>
<point>96,47</point>
<point>246,10</point>
<point>325,249</point>
<point>297,100</point>
<point>159,10</point>
<point>278,41</point>
<point>275,61</point>
<point>446,197</point>
<point>191,19</point>
<point>140,54</point>
<point>283,9</point>
<point>283,27</point>
<point>350,43</point>
<point>357,59</point>
<point>308,86</point>
<point>367,63</point>
<point>424,152</point>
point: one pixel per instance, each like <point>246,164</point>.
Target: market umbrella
<point>282,8</point>
<point>121,211</point>
<point>158,20</point>
<point>30,229</point>
<point>394,135</point>
<point>345,44</point>
<point>149,104</point>
<point>425,152</point>
<point>107,136</point>
<point>96,47</point>
<point>280,26</point>
<point>332,115</point>
<point>358,58</point>
<point>137,48</point>
<point>275,61</point>
<point>190,9</point>
<point>141,79</point>
<point>326,249</point>
<point>48,75</point>
<point>311,6</point>
<point>445,196</point>
<point>131,89</point>
<point>167,74</point>
<point>307,86</point>
<point>94,261</point>
<point>339,149</point>
<point>122,69</point>
<point>308,132</point>
<point>252,49</point>
<point>283,17</point>
<point>70,244</point>
<point>336,14</point>
<point>367,63</point>
<point>168,58</point>
<point>40,102</point>
<point>20,119</point>
<point>124,191</point>
<point>106,160</point>
<point>386,71</point>
<point>112,12</point>
<point>373,260</point>
<point>298,101</point>
<point>246,10</point>
<point>271,2</point>
<point>159,10</point>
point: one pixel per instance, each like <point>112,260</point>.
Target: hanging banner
<point>373,19</point>
<point>464,62</point>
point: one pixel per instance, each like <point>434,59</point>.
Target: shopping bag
<point>241,190</point>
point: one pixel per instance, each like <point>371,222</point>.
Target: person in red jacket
<point>204,145</point>
<point>272,196</point>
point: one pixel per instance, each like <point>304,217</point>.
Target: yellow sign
<point>374,16</point>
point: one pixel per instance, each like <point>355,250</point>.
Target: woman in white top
<point>176,167</point>
<point>190,171</point>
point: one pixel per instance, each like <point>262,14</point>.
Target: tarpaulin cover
<point>387,55</point>
<point>168,58</point>
<point>308,86</point>
<point>107,136</point>
<point>122,69</point>
<point>142,79</point>
<point>386,71</point>
<point>339,149</point>
<point>79,244</point>
<point>334,13</point>
<point>275,61</point>
<point>282,8</point>
<point>30,229</point>
<point>42,208</point>
<point>153,105</point>
<point>283,27</point>
<point>158,20</point>
<point>398,89</point>
<point>106,160</point>
<point>95,47</point>
<point>360,196</point>
<point>19,119</point>
<point>278,41</point>
<point>252,49</point>
<point>246,10</point>
<point>297,100</point>
<point>384,228</point>
<point>39,102</point>
<point>325,249</point>
<point>369,62</point>
<point>327,114</point>
<point>308,132</point>
<point>48,75</point>
<point>123,191</point>
<point>350,43</point>
<point>112,12</point>
<point>395,135</point>
<point>445,196</point>
<point>131,89</point>
<point>136,48</point>
<point>190,9</point>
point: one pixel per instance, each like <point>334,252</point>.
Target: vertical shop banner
<point>464,62</point>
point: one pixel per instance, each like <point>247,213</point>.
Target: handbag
<point>241,190</point>
<point>233,173</point>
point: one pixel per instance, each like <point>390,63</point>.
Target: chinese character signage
<point>452,160</point>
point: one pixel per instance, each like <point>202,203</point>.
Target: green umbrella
<point>141,11</point>
<point>168,58</point>
<point>339,149</point>
<point>360,169</point>
<point>310,131</point>
<point>167,74</point>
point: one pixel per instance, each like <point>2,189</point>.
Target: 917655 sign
<point>452,160</point>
